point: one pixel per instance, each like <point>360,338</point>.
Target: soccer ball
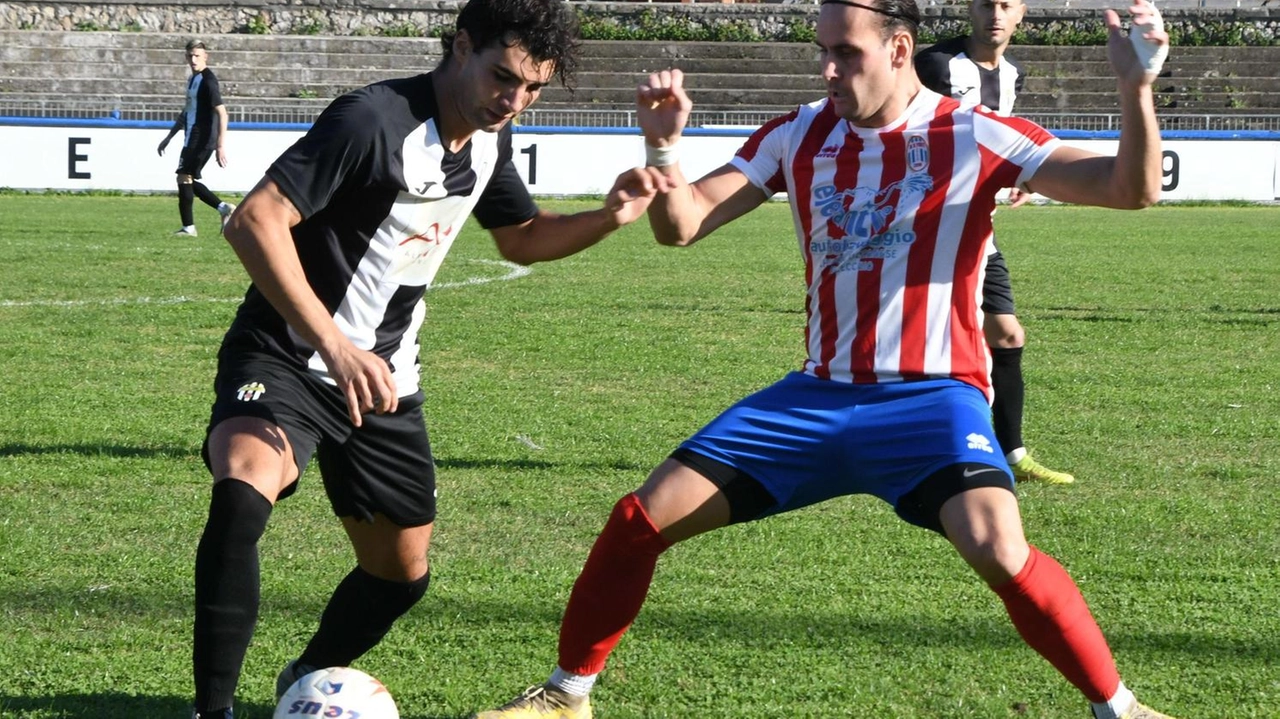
<point>337,693</point>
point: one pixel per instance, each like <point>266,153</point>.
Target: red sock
<point>1048,611</point>
<point>611,588</point>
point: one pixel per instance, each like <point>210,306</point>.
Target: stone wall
<point>416,17</point>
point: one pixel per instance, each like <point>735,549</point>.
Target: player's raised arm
<point>552,236</point>
<point>1132,178</point>
<point>686,212</point>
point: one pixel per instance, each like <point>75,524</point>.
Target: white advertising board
<point>551,163</point>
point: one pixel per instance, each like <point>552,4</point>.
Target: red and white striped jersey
<point>894,224</point>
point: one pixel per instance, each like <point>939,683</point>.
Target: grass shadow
<point>99,450</point>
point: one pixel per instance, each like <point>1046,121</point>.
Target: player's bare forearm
<point>550,236</point>
<point>222,124</point>
<point>1136,177</point>
<point>688,212</point>
<point>676,216</point>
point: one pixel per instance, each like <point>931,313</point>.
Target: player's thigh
<point>997,287</point>
<point>777,449</point>
<point>385,467</point>
<point>985,527</point>
<point>254,451</point>
<point>682,502</point>
<point>191,162</point>
<point>263,424</point>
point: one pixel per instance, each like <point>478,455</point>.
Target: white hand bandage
<point>660,156</point>
<point>1150,54</point>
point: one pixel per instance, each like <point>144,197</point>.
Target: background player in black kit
<point>341,238</point>
<point>203,122</point>
<point>975,69</point>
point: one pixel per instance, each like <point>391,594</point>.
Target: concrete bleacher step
<point>175,42</point>
<point>228,76</point>
<point>256,70</point>
<point>256,89</point>
<point>131,58</point>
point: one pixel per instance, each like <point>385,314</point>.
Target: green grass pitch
<point>1153,372</point>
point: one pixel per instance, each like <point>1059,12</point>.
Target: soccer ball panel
<point>337,693</point>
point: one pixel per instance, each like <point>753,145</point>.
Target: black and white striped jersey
<point>946,69</point>
<point>200,131</point>
<point>382,200</point>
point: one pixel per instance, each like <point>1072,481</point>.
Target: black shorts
<point>997,288</point>
<point>192,161</point>
<point>383,467</point>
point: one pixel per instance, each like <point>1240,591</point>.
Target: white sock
<point>1016,455</point>
<point>579,685</point>
<point>189,228</point>
<point>224,208</point>
<point>1116,706</point>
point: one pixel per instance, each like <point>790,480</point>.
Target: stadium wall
<point>46,154</point>
<point>355,17</point>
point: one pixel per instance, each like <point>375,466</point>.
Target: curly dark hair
<point>548,29</point>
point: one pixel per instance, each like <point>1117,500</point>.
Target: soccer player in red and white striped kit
<point>892,188</point>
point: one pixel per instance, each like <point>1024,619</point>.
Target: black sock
<point>360,612</point>
<point>186,200</point>
<point>206,195</point>
<point>1006,408</point>
<point>226,590</point>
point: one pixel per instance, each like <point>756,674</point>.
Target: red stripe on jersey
<point>968,344</point>
<point>862,360</point>
<point>915,316</point>
<point>802,171</point>
<point>777,183</point>
<point>1026,128</point>
<point>752,145</point>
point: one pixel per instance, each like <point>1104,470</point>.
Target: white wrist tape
<point>1151,55</point>
<point>660,156</point>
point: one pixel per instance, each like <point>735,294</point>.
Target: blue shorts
<point>806,440</point>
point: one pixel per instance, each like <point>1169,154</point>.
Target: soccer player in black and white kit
<point>975,70</point>
<point>341,238</point>
<point>203,122</point>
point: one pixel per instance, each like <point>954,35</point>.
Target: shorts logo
<point>251,391</point>
<point>977,441</point>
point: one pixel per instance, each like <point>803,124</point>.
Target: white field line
<point>514,272</point>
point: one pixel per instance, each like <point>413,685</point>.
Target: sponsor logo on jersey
<point>860,221</point>
<point>829,151</point>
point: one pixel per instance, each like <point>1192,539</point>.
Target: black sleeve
<point>210,85</point>
<point>934,69</point>
<point>1022,74</point>
<point>505,201</point>
<point>343,148</point>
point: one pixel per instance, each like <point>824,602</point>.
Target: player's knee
<point>1005,334</point>
<point>185,179</point>
<point>996,559</point>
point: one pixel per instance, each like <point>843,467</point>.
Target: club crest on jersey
<point>917,153</point>
<point>251,391</point>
